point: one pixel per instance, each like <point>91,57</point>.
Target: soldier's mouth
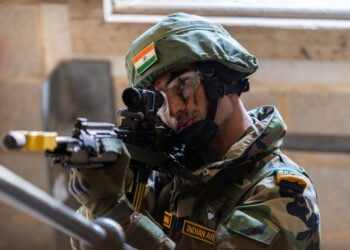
<point>183,124</point>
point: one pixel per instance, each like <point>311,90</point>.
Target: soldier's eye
<point>184,84</point>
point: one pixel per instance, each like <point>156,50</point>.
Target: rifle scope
<point>146,101</point>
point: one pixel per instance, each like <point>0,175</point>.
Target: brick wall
<point>303,72</point>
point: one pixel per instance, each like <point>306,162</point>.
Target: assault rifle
<point>141,130</point>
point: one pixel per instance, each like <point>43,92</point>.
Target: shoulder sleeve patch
<point>290,175</point>
<point>248,226</point>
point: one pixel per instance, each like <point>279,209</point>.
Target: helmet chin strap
<point>218,81</point>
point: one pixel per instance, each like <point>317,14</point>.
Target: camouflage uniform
<point>255,198</point>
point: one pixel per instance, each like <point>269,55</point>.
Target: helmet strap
<point>213,104</point>
<point>218,83</point>
<point>204,131</point>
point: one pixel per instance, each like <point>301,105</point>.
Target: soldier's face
<point>185,101</point>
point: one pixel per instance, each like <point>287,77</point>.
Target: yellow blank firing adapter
<point>30,140</point>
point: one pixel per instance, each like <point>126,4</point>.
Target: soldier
<point>239,191</point>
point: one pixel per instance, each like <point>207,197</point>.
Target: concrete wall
<point>304,72</point>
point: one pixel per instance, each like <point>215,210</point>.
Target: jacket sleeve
<point>277,213</point>
<point>141,231</point>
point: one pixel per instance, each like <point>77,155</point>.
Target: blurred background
<point>64,59</point>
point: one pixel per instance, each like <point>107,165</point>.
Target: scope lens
<point>142,100</point>
<point>132,98</point>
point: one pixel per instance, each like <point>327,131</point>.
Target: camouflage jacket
<point>255,198</point>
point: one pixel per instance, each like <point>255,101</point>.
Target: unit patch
<point>144,59</point>
<point>290,175</point>
<point>198,232</point>
<point>167,219</point>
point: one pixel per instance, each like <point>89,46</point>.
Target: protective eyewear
<point>184,84</point>
<point>181,87</point>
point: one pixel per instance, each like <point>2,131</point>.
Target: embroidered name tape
<point>144,59</point>
<point>291,176</point>
<point>198,232</point>
<point>167,219</point>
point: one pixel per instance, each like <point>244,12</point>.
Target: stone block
<point>56,34</point>
<point>85,8</point>
<point>20,38</point>
<point>319,110</point>
<point>94,36</point>
<point>300,44</point>
<point>20,105</point>
<point>257,97</point>
<point>287,73</point>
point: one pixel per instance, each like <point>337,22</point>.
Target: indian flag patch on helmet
<point>145,59</point>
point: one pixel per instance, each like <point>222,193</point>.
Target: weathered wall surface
<point>304,72</point>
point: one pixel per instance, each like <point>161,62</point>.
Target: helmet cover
<point>182,38</point>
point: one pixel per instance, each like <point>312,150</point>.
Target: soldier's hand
<point>99,189</point>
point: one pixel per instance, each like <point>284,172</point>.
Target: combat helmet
<point>182,38</point>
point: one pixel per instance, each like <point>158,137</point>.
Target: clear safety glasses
<point>180,87</point>
<point>184,84</point>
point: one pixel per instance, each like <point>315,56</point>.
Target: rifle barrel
<point>34,140</point>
